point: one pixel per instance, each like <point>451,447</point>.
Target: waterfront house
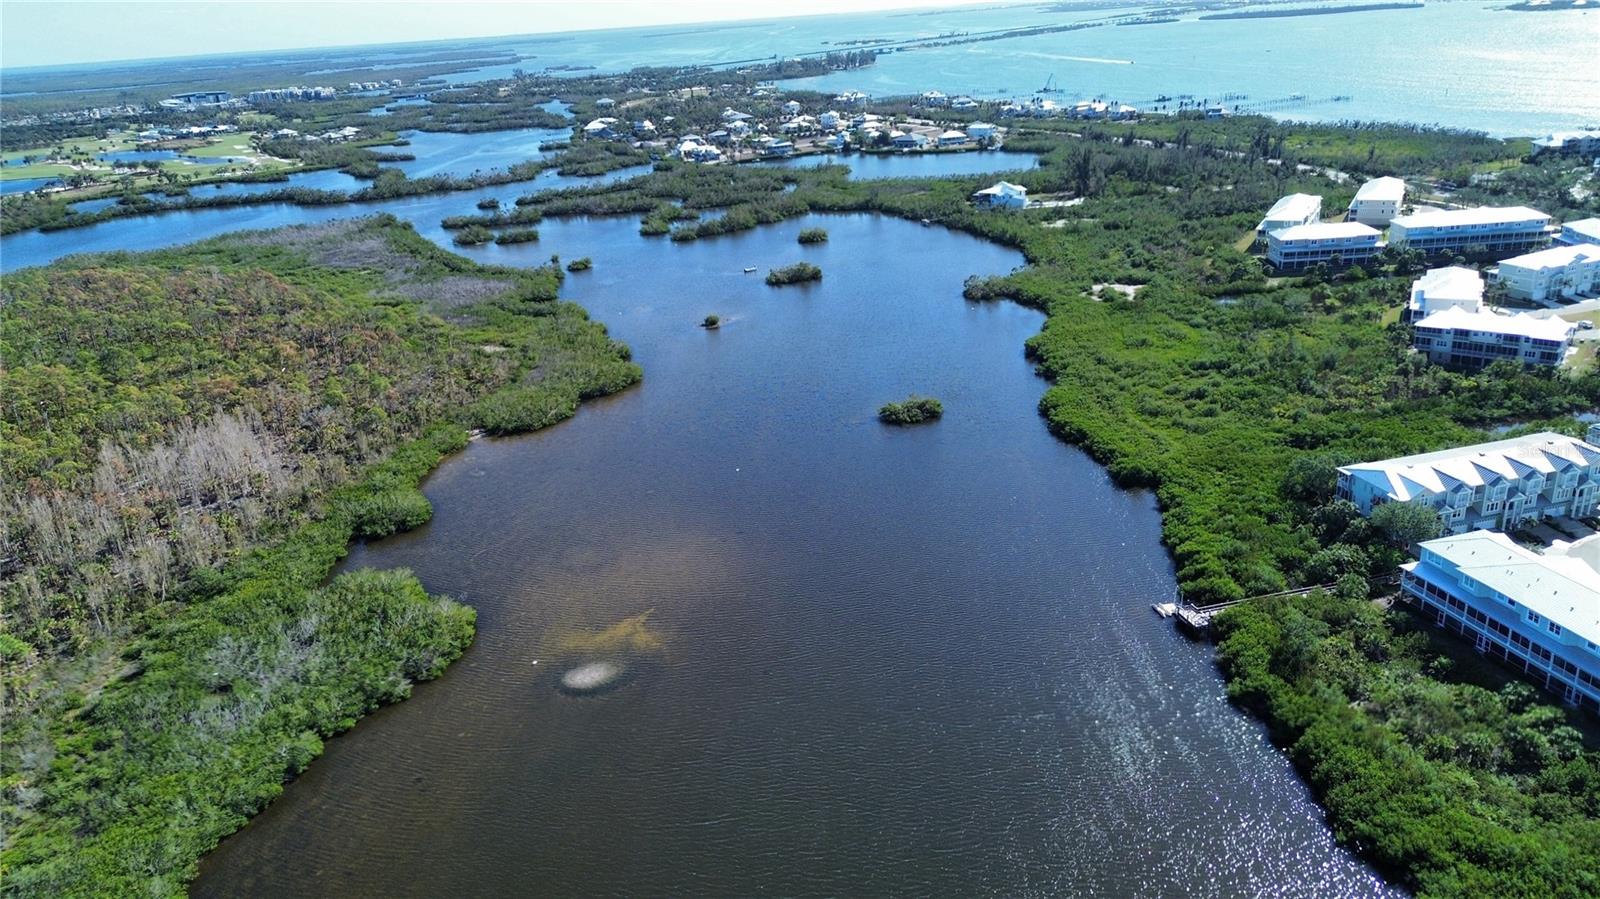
<point>1497,230</point>
<point>1334,243</point>
<point>829,120</point>
<point>1550,275</point>
<point>851,98</point>
<point>1538,612</point>
<point>1377,202</point>
<point>1496,486</point>
<point>952,138</point>
<point>980,131</point>
<point>908,140</point>
<point>1582,143</point>
<point>935,98</point>
<point>1580,231</point>
<point>600,128</point>
<point>1471,340</point>
<point>1003,195</point>
<point>963,102</point>
<point>1295,209</point>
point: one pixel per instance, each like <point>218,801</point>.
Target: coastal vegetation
<point>813,235</point>
<point>711,322</point>
<point>581,264</point>
<point>913,410</point>
<point>473,236</point>
<point>798,273</point>
<point>516,235</point>
<point>176,499</point>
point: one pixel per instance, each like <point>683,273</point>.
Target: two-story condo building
<point>1295,209</point>
<point>1377,202</point>
<point>1487,486</point>
<point>1580,231</point>
<point>1452,287</point>
<point>1539,612</point>
<point>1583,143</point>
<point>1344,243</point>
<point>1552,274</point>
<point>1494,229</point>
<point>1471,340</point>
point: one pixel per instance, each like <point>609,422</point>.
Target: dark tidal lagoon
<point>859,659</point>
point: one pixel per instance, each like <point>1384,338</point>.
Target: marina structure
<point>1378,202</point>
<point>1495,230</point>
<point>1560,272</point>
<point>1294,209</point>
<point>1539,612</point>
<point>1487,486</point>
<point>1452,287</point>
<point>1334,243</point>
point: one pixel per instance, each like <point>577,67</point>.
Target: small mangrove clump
<point>711,323</point>
<point>489,203</point>
<point>580,265</point>
<point>798,273</point>
<point>517,235</point>
<point>473,236</point>
<point>814,235</point>
<point>915,410</point>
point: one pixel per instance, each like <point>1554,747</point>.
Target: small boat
<point>1165,609</point>
<point>749,268</point>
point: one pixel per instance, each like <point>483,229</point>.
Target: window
<point>1554,628</point>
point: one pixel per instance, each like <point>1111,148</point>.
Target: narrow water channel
<point>915,661</point>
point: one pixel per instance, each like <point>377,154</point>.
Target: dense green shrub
<point>913,410</point>
<point>797,273</point>
<point>813,235</point>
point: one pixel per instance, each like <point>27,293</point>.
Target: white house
<point>1498,486</point>
<point>1454,287</point>
<point>1471,340</point>
<point>1549,275</point>
<point>1377,202</point>
<point>604,103</point>
<point>1295,209</point>
<point>952,138</point>
<point>1342,243</point>
<point>731,115</point>
<point>1495,229</point>
<point>982,131</point>
<point>792,107</point>
<point>600,127</point>
<point>1580,231</point>
<point>1003,195</point>
<point>935,98</point>
<point>1539,612</point>
<point>829,120</point>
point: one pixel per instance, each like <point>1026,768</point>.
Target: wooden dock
<point>1196,620</point>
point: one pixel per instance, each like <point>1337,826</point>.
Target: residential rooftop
<point>1561,584</point>
<point>1521,325</point>
<point>1325,231</point>
<point>1478,215</point>
<point>1385,188</point>
<point>1555,257</point>
<point>1408,477</point>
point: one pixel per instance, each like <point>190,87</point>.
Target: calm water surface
<point>1467,64</point>
<point>915,165</point>
<point>892,661</point>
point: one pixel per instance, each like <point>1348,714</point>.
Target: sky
<point>54,32</point>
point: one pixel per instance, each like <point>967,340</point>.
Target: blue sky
<point>52,32</point>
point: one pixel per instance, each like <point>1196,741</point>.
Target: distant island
<point>1307,11</point>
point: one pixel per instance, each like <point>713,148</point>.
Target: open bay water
<point>892,661</point>
<point>1462,63</point>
